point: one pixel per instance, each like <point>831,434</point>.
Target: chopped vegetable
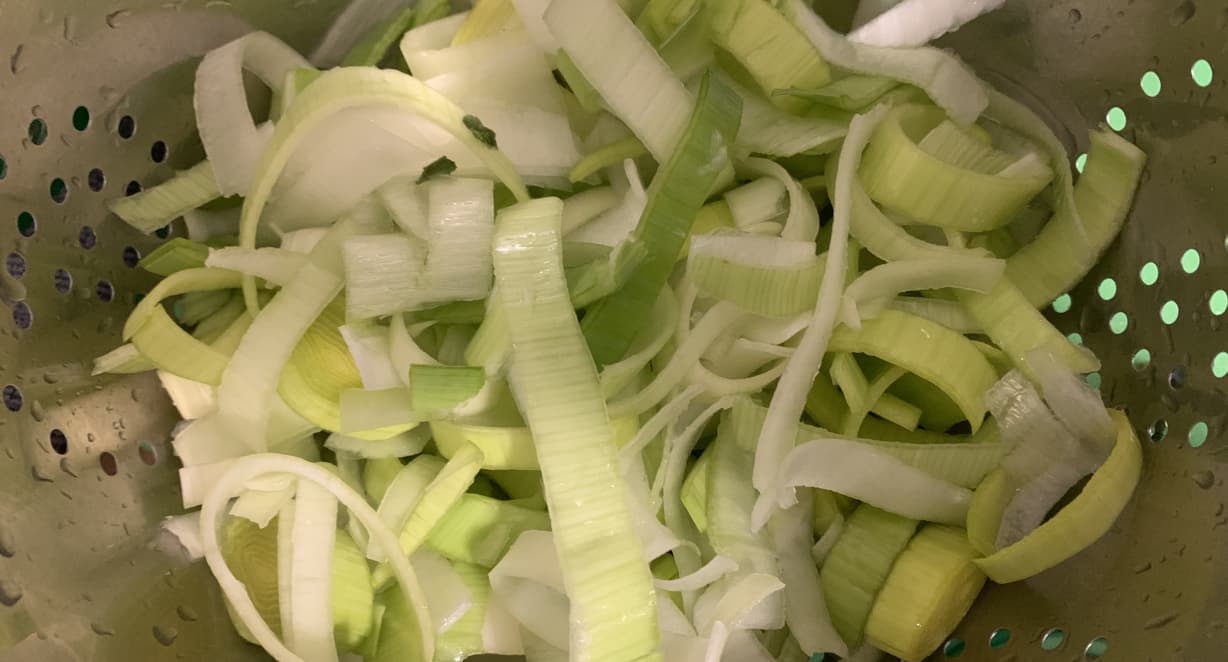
<point>600,374</point>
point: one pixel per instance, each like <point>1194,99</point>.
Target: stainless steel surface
<point>78,577</point>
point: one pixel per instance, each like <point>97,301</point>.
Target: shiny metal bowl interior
<point>96,100</point>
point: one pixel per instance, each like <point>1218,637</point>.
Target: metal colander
<point>95,102</point>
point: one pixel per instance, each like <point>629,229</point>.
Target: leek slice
<point>435,390</point>
<point>730,500</point>
<point>761,287</point>
<point>319,369</point>
<point>382,273</point>
<point>613,615</point>
<point>230,136</point>
<point>806,612</point>
<point>155,207</point>
<point>1061,255</point>
<point>250,551</point>
<point>191,399</point>
<point>766,129</point>
<point>401,492</point>
<point>123,360</point>
<point>859,565</point>
<point>758,201</point>
<point>676,194</point>
<point>169,348</point>
<point>931,587</point>
<point>502,447</point>
<point>377,476</point>
<point>942,76</point>
<point>802,223</point>
<point>852,93</point>
<point>775,440</point>
<point>175,255</point>
<point>859,471</point>
<point>899,174</point>
<point>605,157</point>
<point>529,583</point>
<point>307,547</point>
<point>588,31</point>
<point>278,266</point>
<point>926,349</point>
<point>771,49</point>
<point>372,50</point>
<point>1074,528</point>
<point>181,282</point>
<point>985,511</point>
<point>480,530</point>
<point>366,412</point>
<point>1016,327</point>
<point>405,444</point>
<point>350,88</point>
<point>952,459</point>
<point>917,22</point>
<point>213,512</point>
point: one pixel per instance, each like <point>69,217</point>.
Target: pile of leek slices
<point>618,331</point>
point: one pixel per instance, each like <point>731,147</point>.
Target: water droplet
<point>136,397</point>
<point>40,476</point>
<point>101,630</point>
<point>116,17</point>
<point>51,377</point>
<point>1160,621</point>
<point>7,546</point>
<point>10,592</point>
<point>15,63</point>
<point>1182,13</point>
<point>70,27</point>
<point>89,436</point>
<point>67,468</point>
<point>187,613</point>
<point>1204,479</point>
<point>1075,16</point>
<point>37,412</point>
<point>165,636</point>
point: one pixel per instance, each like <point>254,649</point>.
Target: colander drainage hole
<point>954,648</point>
<point>23,317</point>
<point>4,167</point>
<point>1198,434</point>
<point>87,238</point>
<point>126,127</point>
<point>1219,365</point>
<point>1053,639</point>
<point>97,180</point>
<point>158,152</point>
<point>147,453</point>
<point>63,281</point>
<point>105,291</point>
<point>81,118</point>
<point>999,638</point>
<point>1218,302</point>
<point>108,463</point>
<point>27,225</point>
<point>15,264</point>
<point>1141,360</point>
<point>132,188</point>
<point>58,191</point>
<point>1158,430</point>
<point>132,256</point>
<point>37,131</point>
<point>1177,378</point>
<point>12,398</point>
<point>59,441</point>
<point>1096,648</point>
